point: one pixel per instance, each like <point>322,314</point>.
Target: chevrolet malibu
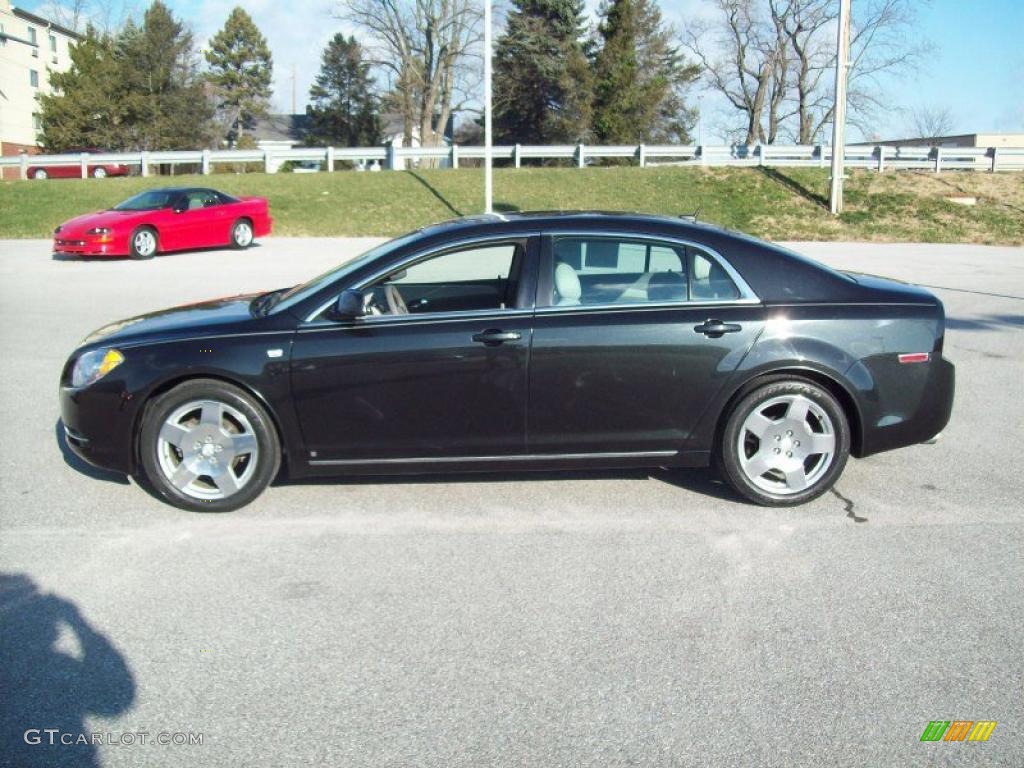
<point>167,219</point>
<point>529,341</point>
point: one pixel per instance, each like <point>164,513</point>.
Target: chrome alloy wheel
<point>243,234</point>
<point>786,444</point>
<point>145,242</point>
<point>207,450</point>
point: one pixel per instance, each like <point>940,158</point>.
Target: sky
<point>976,68</point>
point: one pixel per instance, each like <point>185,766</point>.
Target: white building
<point>30,49</point>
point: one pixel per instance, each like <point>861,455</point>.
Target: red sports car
<point>162,220</point>
<point>73,170</point>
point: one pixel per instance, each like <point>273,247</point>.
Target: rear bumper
<point>916,420</point>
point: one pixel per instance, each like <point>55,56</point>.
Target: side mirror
<point>349,305</point>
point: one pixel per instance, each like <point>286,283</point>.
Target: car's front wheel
<point>143,243</point>
<point>208,446</point>
<point>99,173</point>
<point>784,443</point>
<point>241,234</point>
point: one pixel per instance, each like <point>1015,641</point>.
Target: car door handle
<point>714,329</point>
<point>492,336</point>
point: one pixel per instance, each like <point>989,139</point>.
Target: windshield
<point>150,200</point>
<point>293,296</point>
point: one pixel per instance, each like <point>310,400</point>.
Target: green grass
<point>779,204</point>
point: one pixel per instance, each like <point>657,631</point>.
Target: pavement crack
<point>848,506</point>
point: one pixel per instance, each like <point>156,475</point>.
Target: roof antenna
<point>691,216</point>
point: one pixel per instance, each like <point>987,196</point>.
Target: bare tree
<point>105,15</point>
<point>789,47</point>
<point>932,122</point>
<point>425,48</point>
<point>739,55</point>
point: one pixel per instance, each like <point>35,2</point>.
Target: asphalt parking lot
<point>550,620</point>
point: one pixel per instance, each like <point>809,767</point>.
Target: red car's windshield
<point>149,200</point>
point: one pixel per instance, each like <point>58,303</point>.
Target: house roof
<point>34,19</point>
<point>280,128</point>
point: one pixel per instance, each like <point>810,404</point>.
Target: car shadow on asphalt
<point>117,259</point>
<point>79,464</point>
<point>700,481</point>
<point>56,670</point>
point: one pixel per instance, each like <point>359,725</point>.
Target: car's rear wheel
<point>40,174</point>
<point>208,446</point>
<point>99,173</point>
<point>241,234</point>
<point>784,443</point>
<point>143,243</point>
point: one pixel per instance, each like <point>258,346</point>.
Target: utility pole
<point>839,110</point>
<point>294,75</point>
<point>488,170</point>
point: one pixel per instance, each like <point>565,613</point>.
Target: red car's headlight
<point>99,231</point>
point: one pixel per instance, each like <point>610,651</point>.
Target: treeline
<point>557,78</point>
<point>143,87</point>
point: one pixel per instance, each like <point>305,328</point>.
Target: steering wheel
<point>395,301</point>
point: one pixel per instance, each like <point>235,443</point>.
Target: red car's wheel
<point>143,243</point>
<point>99,173</point>
<point>40,174</point>
<point>241,234</point>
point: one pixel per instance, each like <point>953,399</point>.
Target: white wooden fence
<point>879,158</point>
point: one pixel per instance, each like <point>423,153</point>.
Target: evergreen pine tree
<point>164,99</point>
<point>240,74</point>
<point>640,77</point>
<point>344,105</point>
<point>85,108</point>
<point>542,81</point>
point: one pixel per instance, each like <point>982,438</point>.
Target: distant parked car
<point>527,341</point>
<point>73,170</point>
<point>162,220</point>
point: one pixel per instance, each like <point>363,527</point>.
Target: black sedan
<point>532,341</point>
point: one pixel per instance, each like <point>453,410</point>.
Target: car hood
<point>226,315</point>
<point>100,219</point>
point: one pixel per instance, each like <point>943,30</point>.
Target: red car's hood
<point>80,224</point>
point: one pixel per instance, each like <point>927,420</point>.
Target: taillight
<point>914,357</point>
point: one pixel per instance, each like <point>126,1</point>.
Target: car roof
<point>558,219</point>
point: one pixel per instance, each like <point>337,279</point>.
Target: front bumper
<point>97,423</point>
<point>84,246</point>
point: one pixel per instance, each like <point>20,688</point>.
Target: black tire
<point>133,249</point>
<point>238,239</point>
<point>163,407</point>
<point>99,173</point>
<point>728,450</point>
<point>40,174</point>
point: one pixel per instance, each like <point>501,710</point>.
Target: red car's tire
<point>143,243</point>
<point>40,174</point>
<point>242,234</point>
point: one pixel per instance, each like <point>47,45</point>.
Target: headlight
<point>94,365</point>
<point>99,231</point>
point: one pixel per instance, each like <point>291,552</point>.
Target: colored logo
<point>958,730</point>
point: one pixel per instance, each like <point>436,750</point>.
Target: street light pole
<point>839,110</point>
<point>488,170</point>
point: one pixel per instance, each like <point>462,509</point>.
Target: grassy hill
<point>778,204</point>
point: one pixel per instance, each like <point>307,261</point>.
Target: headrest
<point>567,284</point>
